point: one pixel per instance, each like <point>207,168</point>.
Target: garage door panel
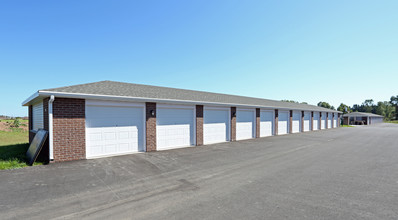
<point>174,128</point>
<point>323,121</point>
<point>113,130</point>
<point>316,121</point>
<point>335,121</point>
<point>215,126</point>
<point>245,124</point>
<point>296,122</point>
<point>329,120</point>
<point>283,123</point>
<point>266,123</point>
<point>307,121</point>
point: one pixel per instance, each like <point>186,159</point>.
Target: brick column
<point>199,125</point>
<point>257,122</point>
<point>302,121</point>
<point>327,120</point>
<point>332,120</point>
<point>233,124</point>
<point>320,121</point>
<point>69,127</point>
<point>276,122</point>
<point>150,126</point>
<point>312,121</point>
<point>291,122</point>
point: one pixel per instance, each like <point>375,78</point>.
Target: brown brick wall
<point>345,120</point>
<point>333,120</point>
<point>312,121</point>
<point>302,121</point>
<point>233,123</point>
<point>258,122</point>
<point>291,122</point>
<point>150,127</point>
<point>320,121</point>
<point>69,129</point>
<point>276,122</point>
<point>199,125</point>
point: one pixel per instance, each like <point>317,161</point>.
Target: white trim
<point>194,127</point>
<point>144,126</point>
<point>170,101</point>
<point>113,155</point>
<point>176,106</point>
<point>33,96</point>
<point>113,103</point>
<point>50,127</point>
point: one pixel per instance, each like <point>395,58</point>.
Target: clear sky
<point>333,51</point>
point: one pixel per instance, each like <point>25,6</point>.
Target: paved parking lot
<point>344,173</point>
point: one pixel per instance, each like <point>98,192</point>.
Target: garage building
<point>361,118</point>
<point>109,118</point>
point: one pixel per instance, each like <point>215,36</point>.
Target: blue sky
<point>333,51</point>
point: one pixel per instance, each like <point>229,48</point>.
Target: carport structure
<point>361,118</point>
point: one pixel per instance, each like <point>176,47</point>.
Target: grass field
<point>394,122</point>
<point>13,146</point>
<point>347,126</point>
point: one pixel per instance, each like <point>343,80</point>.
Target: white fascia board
<point>35,95</point>
<point>165,101</point>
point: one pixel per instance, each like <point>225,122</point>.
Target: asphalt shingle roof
<point>111,88</point>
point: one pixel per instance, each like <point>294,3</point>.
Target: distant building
<point>361,118</point>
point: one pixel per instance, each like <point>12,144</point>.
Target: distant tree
<point>292,101</point>
<point>368,106</point>
<point>394,102</point>
<point>344,108</point>
<point>326,105</point>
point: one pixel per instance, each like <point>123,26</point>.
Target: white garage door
<point>307,121</point>
<point>267,123</point>
<point>283,122</point>
<point>296,122</point>
<point>215,125</point>
<point>174,127</point>
<point>113,130</point>
<point>335,120</point>
<point>316,121</point>
<point>323,120</point>
<point>330,120</point>
<point>245,124</point>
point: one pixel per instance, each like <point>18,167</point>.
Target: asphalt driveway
<point>344,173</point>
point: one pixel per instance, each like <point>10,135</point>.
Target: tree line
<point>388,109</point>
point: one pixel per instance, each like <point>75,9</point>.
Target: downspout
<point>50,126</point>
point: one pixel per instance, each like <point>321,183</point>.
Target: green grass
<point>394,122</point>
<point>347,126</point>
<point>13,147</point>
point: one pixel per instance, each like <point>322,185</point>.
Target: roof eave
<point>30,99</point>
